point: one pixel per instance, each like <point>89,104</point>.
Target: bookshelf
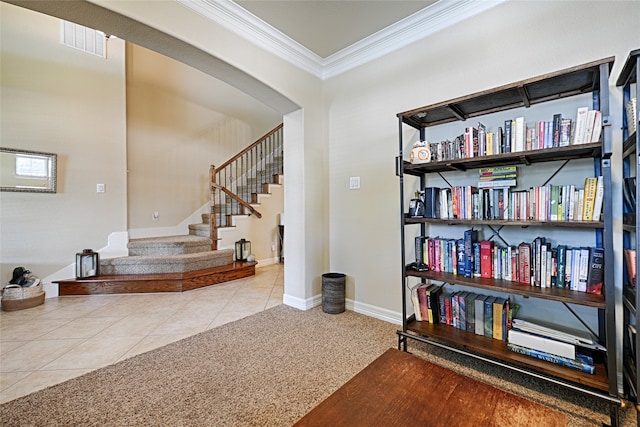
<point>592,79</point>
<point>628,81</point>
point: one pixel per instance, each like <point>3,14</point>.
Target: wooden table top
<point>399,389</point>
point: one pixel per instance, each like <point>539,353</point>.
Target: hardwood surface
<point>399,389</point>
<point>145,283</point>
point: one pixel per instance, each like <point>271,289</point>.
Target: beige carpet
<point>268,369</point>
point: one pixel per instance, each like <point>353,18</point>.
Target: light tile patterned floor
<point>69,336</point>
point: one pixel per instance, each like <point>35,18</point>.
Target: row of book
<point>518,135</point>
<point>536,263</point>
<point>495,317</point>
<point>540,203</point>
<point>480,314</point>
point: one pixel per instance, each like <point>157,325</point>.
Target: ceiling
<point>325,27</point>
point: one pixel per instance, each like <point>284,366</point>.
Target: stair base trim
<point>151,283</point>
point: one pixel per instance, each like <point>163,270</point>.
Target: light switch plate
<point>100,188</point>
<point>354,183</point>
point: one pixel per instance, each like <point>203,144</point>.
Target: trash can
<point>333,292</point>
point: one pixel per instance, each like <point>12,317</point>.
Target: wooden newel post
<point>213,229</point>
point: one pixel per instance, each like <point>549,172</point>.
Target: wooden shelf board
<point>456,338</point>
<point>554,294</point>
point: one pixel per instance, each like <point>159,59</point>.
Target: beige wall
<point>174,135</point>
<point>60,100</point>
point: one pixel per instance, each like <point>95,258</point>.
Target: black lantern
<point>243,249</point>
<point>87,264</point>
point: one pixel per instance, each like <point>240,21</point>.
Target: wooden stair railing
<point>237,179</point>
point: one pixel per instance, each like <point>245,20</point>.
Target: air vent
<point>84,38</point>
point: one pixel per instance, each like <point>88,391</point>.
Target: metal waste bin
<point>333,285</point>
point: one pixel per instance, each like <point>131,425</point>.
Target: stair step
<point>166,264</point>
<point>144,283</point>
<point>169,245</point>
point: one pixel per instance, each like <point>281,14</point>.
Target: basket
<point>16,297</point>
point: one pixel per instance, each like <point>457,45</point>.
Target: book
<point>433,310</point>
<point>498,171</point>
<point>560,333</point>
<point>488,316</point>
<point>595,274</point>
<point>538,342</point>
<point>519,134</point>
<point>416,302</point>
<point>479,314</point>
<point>597,127</point>
<point>590,187</point>
<point>580,363</point>
<point>422,298</point>
<point>462,310</point>
<point>470,311</point>
<point>486,251</point>
<point>431,202</point>
<point>588,132</point>
<point>562,259</point>
<point>524,263</point>
<point>470,236</point>
<point>581,125</point>
<point>630,261</point>
<point>497,183</point>
<point>583,269</point>
<point>599,197</point>
<point>498,318</point>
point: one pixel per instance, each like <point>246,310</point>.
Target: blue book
<point>470,236</point>
<point>582,362</point>
<point>460,258</point>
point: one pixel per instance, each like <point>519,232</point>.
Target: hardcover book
<point>479,314</point>
<point>498,318</point>
<point>581,362</point>
<point>595,275</point>
<point>486,251</point>
<point>432,202</point>
<point>488,316</point>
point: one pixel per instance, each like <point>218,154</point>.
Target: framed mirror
<point>28,171</point>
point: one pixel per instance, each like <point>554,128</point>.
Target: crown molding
<point>415,27</point>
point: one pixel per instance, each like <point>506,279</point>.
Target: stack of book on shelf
<point>572,349</point>
<point>497,177</point>
<point>630,202</point>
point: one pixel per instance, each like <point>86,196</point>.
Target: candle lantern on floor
<point>87,264</point>
<point>243,249</point>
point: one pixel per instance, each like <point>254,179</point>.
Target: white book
<point>568,269</point>
<point>416,302</point>
<point>543,267</point>
<point>597,203</point>
<point>578,213</point>
<point>583,269</point>
<point>575,268</point>
<point>541,343</point>
<point>581,125</point>
<point>557,332</point>
<point>520,134</point>
<point>588,132</point>
<point>572,201</point>
<point>597,127</point>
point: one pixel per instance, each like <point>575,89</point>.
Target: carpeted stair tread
<point>147,264</point>
<point>168,245</point>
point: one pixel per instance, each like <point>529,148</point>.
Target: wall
<point>174,134</point>
<point>60,100</point>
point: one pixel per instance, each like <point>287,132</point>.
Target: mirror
<point>29,171</point>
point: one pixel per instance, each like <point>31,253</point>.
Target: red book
<point>424,303</point>
<point>486,259</point>
<point>524,263</point>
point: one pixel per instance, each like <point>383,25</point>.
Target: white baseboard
<point>362,308</point>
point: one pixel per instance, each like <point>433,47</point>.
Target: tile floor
<point>69,336</point>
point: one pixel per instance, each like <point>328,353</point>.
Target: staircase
<point>181,263</point>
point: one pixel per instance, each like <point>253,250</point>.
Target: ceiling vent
<point>84,38</point>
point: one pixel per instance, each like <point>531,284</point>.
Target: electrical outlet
<point>273,247</point>
<point>155,215</point>
<point>100,188</point>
